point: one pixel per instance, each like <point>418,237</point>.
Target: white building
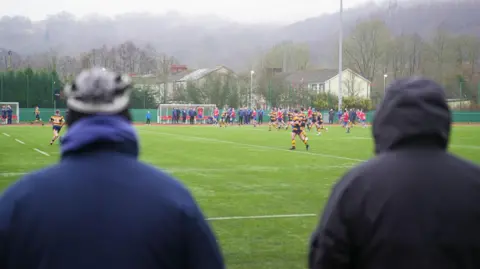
<point>327,80</point>
<point>199,76</point>
<point>160,86</point>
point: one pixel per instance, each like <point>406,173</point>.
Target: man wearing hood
<point>100,207</point>
<point>412,206</point>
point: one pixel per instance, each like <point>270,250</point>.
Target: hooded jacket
<point>100,207</point>
<point>412,206</point>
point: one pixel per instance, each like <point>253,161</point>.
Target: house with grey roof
<point>165,85</point>
<point>200,76</point>
<point>327,80</point>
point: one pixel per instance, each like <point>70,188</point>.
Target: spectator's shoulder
<point>166,184</point>
<point>358,175</point>
<point>25,186</point>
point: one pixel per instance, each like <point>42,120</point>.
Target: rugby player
<point>215,116</point>
<point>303,121</point>
<point>290,115</point>
<point>232,116</point>
<point>346,121</point>
<point>297,131</point>
<point>223,119</point>
<point>310,112</point>
<point>280,121</point>
<point>273,119</point>
<point>57,121</point>
<point>318,122</point>
<point>37,116</point>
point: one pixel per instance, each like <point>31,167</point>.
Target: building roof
<point>313,76</point>
<point>197,74</point>
<point>309,76</point>
<point>187,75</point>
<point>200,73</point>
<point>154,78</point>
<point>178,76</point>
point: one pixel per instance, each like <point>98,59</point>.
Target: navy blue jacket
<point>102,208</point>
<point>414,205</point>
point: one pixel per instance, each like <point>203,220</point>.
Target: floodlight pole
<point>385,76</point>
<point>340,58</point>
<point>251,88</point>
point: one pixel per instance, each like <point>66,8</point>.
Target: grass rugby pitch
<point>262,200</point>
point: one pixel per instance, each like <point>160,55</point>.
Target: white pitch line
<point>20,141</point>
<point>41,152</point>
<point>464,146</point>
<point>264,217</point>
<point>255,146</point>
<point>6,134</point>
<point>5,174</point>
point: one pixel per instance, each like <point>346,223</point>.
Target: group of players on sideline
<point>7,114</point>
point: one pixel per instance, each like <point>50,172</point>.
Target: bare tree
<point>414,54</point>
<point>351,85</point>
<point>85,61</point>
<point>440,53</point>
<point>366,46</point>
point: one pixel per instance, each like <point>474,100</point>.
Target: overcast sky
<point>252,11</point>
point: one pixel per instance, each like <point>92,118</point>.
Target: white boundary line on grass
<point>23,143</point>
<point>41,152</point>
<point>254,146</point>
<point>12,174</point>
<point>263,217</point>
<point>199,170</point>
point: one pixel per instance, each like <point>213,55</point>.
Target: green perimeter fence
<point>139,115</point>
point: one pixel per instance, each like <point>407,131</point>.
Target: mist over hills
<point>201,41</point>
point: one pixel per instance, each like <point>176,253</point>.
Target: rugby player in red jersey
<point>215,116</point>
<point>363,118</point>
<point>280,121</point>
<point>309,118</point>
<point>346,120</point>
<point>232,116</point>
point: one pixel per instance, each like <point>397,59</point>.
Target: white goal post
<point>166,113</point>
<point>15,110</point>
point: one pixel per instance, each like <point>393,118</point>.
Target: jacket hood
<point>414,111</point>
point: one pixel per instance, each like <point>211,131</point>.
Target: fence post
<point>478,94</point>
<point>28,87</point>
<point>1,87</point>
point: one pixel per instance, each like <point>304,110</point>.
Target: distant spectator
<point>184,115</point>
<point>100,207</point>
<point>331,115</point>
<point>412,206</point>
<point>260,116</point>
<point>353,116</point>
<point>149,116</point>
<point>191,114</point>
<point>9,114</point>
<point>179,113</point>
<point>240,116</point>
<point>4,114</point>
<point>174,115</point>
